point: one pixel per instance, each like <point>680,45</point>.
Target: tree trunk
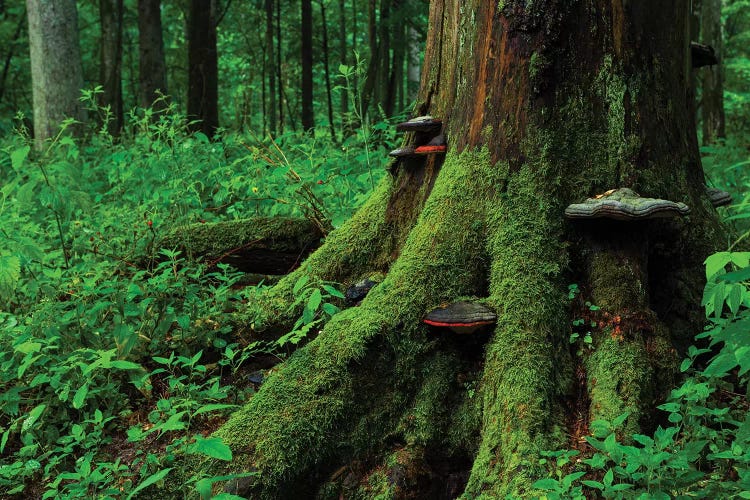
<point>343,57</point>
<point>110,67</point>
<point>308,118</point>
<point>413,68</point>
<point>152,67</point>
<point>56,73</point>
<point>203,76</point>
<point>270,70</point>
<point>543,104</point>
<point>712,79</point>
<point>327,72</point>
<point>279,78</point>
<point>11,51</point>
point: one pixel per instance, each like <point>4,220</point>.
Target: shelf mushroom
<point>718,197</point>
<point>461,317</point>
<point>420,124</point>
<point>702,55</point>
<point>435,146</point>
<point>625,204</point>
<point>405,152</point>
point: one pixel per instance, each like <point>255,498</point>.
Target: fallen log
<point>260,245</point>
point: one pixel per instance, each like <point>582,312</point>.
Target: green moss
<point>326,393</point>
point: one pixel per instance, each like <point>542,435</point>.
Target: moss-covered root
<point>348,252</point>
<point>632,351</point>
<point>525,372</point>
<point>303,414</point>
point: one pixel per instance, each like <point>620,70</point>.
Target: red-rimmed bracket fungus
<point>404,152</point>
<point>461,317</point>
<point>435,146</point>
<point>420,124</point>
<point>702,55</point>
<point>718,197</point>
<point>625,204</point>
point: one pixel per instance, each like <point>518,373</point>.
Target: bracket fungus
<point>461,317</point>
<point>404,152</point>
<point>702,55</point>
<point>435,146</point>
<point>718,197</point>
<point>625,204</point>
<point>420,124</point>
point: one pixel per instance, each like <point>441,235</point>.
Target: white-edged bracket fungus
<point>718,197</point>
<point>420,124</point>
<point>702,55</point>
<point>461,317</point>
<point>625,204</point>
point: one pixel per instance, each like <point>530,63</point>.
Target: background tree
<point>712,79</point>
<point>308,118</point>
<point>202,102</point>
<point>55,65</point>
<point>110,68</point>
<point>544,104</point>
<point>152,66</point>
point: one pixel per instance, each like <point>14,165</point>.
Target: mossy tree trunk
<point>544,103</point>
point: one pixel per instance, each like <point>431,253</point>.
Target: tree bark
<point>56,73</point>
<point>270,70</point>
<point>203,72</point>
<point>343,56</point>
<point>110,66</point>
<point>10,54</point>
<point>327,72</point>
<point>712,78</point>
<point>413,68</point>
<point>543,104</point>
<point>308,118</point>
<point>152,67</point>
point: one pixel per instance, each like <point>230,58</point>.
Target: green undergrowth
<point>702,447</point>
<point>119,356</point>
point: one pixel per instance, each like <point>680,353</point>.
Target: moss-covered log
<point>544,104</point>
<point>261,245</point>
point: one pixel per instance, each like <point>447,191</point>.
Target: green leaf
<point>18,156</point>
<point>153,478</point>
<point>121,364</point>
<point>546,484</point>
<point>716,263</point>
<point>300,284</point>
<point>721,364</point>
<point>333,291</point>
<point>10,273</point>
<point>213,407</point>
<point>80,396</point>
<point>33,417</point>
<point>212,447</point>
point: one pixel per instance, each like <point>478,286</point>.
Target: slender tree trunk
<point>110,67</point>
<point>308,118</point>
<point>152,67</point>
<point>269,69</point>
<point>327,72</point>
<point>203,83</point>
<point>11,51</point>
<point>543,104</point>
<point>281,98</point>
<point>712,78</point>
<point>56,73</point>
<point>396,72</point>
<point>414,66</point>
<point>343,54</point>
